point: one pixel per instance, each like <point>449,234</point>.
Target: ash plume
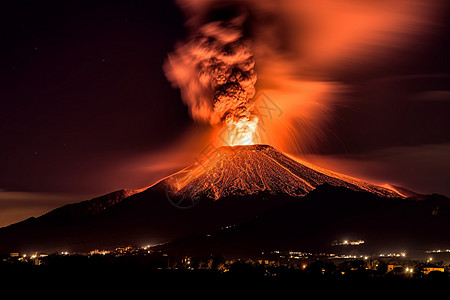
<point>215,72</point>
<point>302,50</point>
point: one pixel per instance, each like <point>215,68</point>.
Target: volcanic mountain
<point>248,170</point>
<point>231,187</point>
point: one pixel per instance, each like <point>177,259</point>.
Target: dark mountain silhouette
<point>269,199</point>
<point>328,214</point>
<point>77,211</point>
<point>148,217</point>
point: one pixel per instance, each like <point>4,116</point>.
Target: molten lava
<point>246,170</point>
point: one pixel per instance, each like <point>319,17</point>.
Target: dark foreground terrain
<point>129,273</point>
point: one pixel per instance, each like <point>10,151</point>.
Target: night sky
<point>85,107</point>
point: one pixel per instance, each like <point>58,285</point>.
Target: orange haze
<point>298,46</point>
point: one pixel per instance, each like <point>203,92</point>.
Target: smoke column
<point>215,71</point>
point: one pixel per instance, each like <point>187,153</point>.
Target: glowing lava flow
<point>247,170</point>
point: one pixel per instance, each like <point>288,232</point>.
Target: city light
<point>438,251</point>
<point>347,243</point>
<point>402,254</point>
<point>396,263</point>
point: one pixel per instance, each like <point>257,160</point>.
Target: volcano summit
<point>249,170</point>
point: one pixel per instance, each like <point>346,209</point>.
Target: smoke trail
<point>215,71</point>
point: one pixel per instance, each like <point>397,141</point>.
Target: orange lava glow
<point>298,56</point>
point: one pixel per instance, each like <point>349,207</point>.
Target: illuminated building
<point>100,252</point>
<point>391,267</point>
<point>266,262</point>
<point>429,269</point>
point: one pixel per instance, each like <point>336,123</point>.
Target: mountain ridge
<point>82,209</point>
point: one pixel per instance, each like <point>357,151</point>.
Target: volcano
<point>248,170</point>
<point>233,186</point>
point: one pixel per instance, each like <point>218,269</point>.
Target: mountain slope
<point>246,170</point>
<point>80,210</point>
<point>329,213</point>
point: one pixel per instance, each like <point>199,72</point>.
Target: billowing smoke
<point>215,71</point>
<point>302,49</point>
